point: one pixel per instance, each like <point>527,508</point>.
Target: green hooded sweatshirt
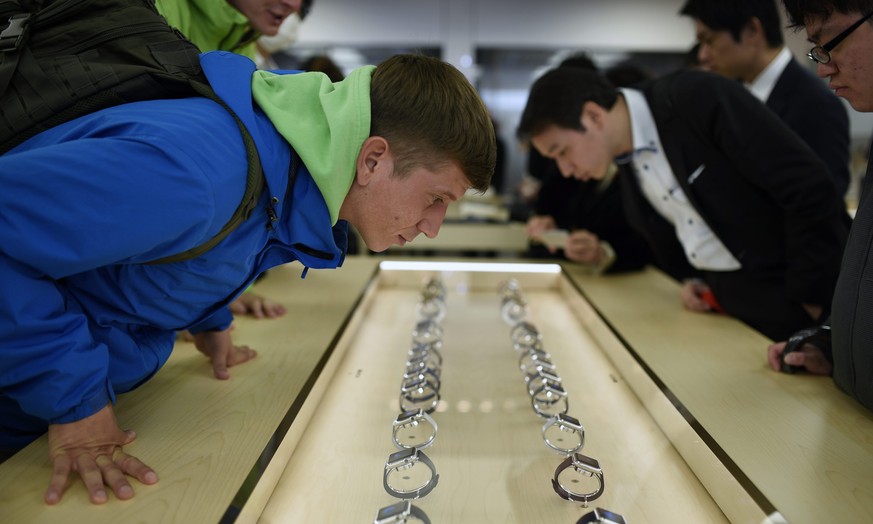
<point>212,25</point>
<point>326,123</point>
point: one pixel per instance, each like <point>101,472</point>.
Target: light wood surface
<point>489,452</point>
<point>473,236</point>
<point>805,445</point>
<point>744,441</point>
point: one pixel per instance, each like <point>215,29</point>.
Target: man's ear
<point>753,29</point>
<point>373,160</point>
<point>593,116</point>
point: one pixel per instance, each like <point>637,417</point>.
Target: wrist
<point>607,257</point>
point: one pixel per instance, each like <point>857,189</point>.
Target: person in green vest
<point>234,25</point>
<point>230,25</point>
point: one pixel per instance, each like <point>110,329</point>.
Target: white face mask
<point>286,36</point>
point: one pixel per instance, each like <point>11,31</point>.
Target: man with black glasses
<point>742,40</point>
<point>842,34</point>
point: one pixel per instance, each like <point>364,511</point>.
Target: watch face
<point>413,384</point>
<point>549,376</point>
<point>406,416</point>
<point>399,457</point>
<point>427,331</point>
<point>585,462</point>
<point>607,517</point>
<point>569,421</point>
<point>393,512</point>
<point>551,390</point>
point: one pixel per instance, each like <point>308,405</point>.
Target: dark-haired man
<point>723,191</point>
<point>742,40</point>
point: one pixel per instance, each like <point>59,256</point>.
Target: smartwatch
<point>426,332</point>
<point>541,365</point>
<point>509,288</point>
<point>587,467</point>
<point>413,429</point>
<point>420,393</point>
<point>415,373</point>
<point>549,400</point>
<point>432,309</point>
<point>819,336</point>
<point>401,512</point>
<point>404,461</point>
<point>420,350</point>
<point>524,334</point>
<point>421,366</point>
<point>434,288</point>
<point>531,358</point>
<point>424,359</point>
<point>539,378</point>
<point>603,516</point>
<point>564,434</point>
<point>513,309</point>
<point>522,348</point>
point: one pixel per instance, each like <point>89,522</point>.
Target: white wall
<point>459,26</point>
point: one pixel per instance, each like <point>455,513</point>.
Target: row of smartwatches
<point>409,473</point>
<point>561,432</point>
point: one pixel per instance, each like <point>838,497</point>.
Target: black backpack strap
<point>12,43</point>
<point>255,183</point>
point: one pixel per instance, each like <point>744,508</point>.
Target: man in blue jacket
<point>89,205</point>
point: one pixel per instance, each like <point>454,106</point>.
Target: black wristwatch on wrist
<point>819,336</point>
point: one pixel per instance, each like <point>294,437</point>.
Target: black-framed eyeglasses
<point>822,53</point>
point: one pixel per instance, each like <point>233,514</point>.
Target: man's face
<point>396,209</point>
<point>583,155</point>
<point>721,54</point>
<point>266,16</point>
<point>850,70</point>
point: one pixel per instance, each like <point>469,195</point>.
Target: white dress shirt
<point>703,249</point>
<point>763,85</point>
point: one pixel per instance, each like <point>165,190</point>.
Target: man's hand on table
<point>218,346</point>
<point>250,303</point>
<point>810,358</point>
<point>92,448</point>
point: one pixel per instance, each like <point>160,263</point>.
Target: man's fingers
<point>795,358</point>
<point>219,369</point>
<point>114,477</point>
<point>241,354</point>
<point>60,475</point>
<point>135,468</point>
<point>92,476</point>
<point>274,310</point>
<point>774,355</point>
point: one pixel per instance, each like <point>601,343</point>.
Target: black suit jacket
<point>810,109</point>
<point>760,189</point>
<point>852,336</point>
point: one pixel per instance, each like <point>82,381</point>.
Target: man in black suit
<point>742,40</point>
<point>726,194</point>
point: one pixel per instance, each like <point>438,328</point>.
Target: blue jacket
<point>85,205</point>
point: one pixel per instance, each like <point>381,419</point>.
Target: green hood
<point>325,122</point>
<point>211,24</point>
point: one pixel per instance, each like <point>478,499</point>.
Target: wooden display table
<point>680,409</point>
<point>481,237</point>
